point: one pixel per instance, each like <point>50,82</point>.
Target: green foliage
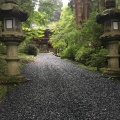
<point>71,4</point>
<point>28,46</point>
<point>51,8</point>
<point>89,41</point>
<point>83,55</point>
<point>36,17</point>
<point>82,44</point>
<point>3,90</point>
<point>33,33</point>
<point>2,66</point>
<point>90,57</point>
<point>91,32</point>
<point>65,32</point>
<point>99,58</point>
<point>2,49</point>
<point>31,49</point>
<point>69,52</point>
<point>94,5</point>
<point>118,3</point>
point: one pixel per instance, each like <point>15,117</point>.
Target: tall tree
<point>52,9</point>
<point>65,30</point>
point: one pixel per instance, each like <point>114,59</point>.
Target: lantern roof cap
<point>111,12</point>
<point>108,14</point>
<point>11,9</point>
<point>10,1</point>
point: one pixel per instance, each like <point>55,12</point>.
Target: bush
<point>99,59</point>
<point>3,64</point>
<point>3,49</point>
<point>90,57</point>
<point>30,49</point>
<point>83,55</point>
<point>69,52</point>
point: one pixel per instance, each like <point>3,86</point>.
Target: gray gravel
<point>60,90</point>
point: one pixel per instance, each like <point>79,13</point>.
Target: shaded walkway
<point>60,90</point>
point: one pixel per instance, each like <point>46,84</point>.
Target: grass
<point>92,68</point>
<point>88,67</point>
<point>24,59</point>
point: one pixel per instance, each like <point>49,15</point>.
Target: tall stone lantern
<point>11,17</point>
<point>110,19</point>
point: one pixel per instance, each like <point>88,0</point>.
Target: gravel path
<point>60,90</point>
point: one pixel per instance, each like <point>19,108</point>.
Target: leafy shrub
<point>90,57</point>
<point>83,55</point>
<point>69,52</point>
<point>30,49</point>
<point>99,58</point>
<point>2,66</point>
<point>2,49</point>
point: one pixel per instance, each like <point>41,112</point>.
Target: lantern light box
<point>9,23</point>
<point>115,25</point>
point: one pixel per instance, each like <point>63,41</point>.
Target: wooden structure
<point>43,42</point>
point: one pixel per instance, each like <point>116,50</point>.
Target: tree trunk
<point>78,11</point>
<point>102,3</point>
<point>85,9</point>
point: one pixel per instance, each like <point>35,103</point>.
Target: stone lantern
<point>11,17</point>
<point>110,19</point>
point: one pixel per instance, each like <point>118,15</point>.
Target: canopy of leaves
<point>52,9</point>
<point>33,33</point>
<point>65,30</point>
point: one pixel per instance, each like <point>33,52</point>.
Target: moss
<point>3,90</point>
<point>7,80</point>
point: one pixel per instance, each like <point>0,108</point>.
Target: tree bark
<point>102,3</point>
<point>78,11</point>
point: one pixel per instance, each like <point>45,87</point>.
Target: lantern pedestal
<point>113,60</point>
<point>12,41</point>
<point>12,58</point>
<point>13,73</point>
<point>5,80</point>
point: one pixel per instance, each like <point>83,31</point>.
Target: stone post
<point>12,58</point>
<point>113,56</point>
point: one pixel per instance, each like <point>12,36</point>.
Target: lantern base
<point>112,73</point>
<point>5,80</point>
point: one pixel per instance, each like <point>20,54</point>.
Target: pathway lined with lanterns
<point>61,90</point>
